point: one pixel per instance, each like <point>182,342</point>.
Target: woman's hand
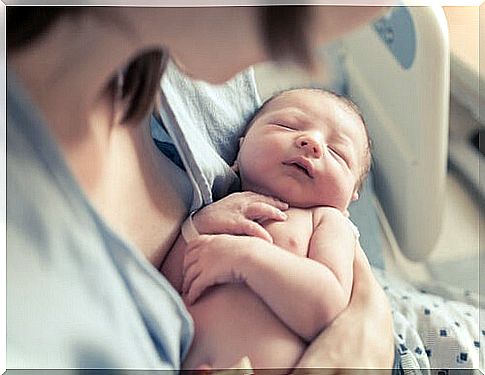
<point>240,213</point>
<point>361,336</point>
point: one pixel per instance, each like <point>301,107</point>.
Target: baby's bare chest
<point>295,233</point>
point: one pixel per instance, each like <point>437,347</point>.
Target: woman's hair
<point>282,28</point>
<point>285,34</point>
<point>140,79</point>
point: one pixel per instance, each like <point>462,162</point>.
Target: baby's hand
<point>240,214</point>
<point>212,260</point>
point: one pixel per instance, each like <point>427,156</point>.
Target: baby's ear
<point>235,166</point>
<point>355,196</point>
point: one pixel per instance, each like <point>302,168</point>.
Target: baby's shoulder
<point>325,214</point>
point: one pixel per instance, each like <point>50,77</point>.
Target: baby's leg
<point>232,322</point>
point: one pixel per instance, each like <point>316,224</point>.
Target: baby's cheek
<point>334,191</point>
<point>255,176</point>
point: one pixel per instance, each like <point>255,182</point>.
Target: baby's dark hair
<point>347,103</point>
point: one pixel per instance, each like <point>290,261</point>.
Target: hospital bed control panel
<point>396,30</point>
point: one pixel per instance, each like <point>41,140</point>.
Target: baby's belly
<point>232,322</point>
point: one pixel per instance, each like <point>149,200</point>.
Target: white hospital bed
<point>397,71</point>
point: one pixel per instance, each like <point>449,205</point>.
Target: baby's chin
<point>299,201</point>
<point>303,204</point>
<point>295,199</point>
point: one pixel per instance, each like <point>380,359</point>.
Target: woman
<point>94,206</point>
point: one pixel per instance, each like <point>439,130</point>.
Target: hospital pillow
<point>205,122</point>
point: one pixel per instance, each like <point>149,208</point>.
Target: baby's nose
<point>311,146</point>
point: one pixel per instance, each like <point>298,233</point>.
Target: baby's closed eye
<point>342,155</point>
<point>284,125</point>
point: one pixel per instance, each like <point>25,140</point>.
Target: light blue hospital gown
<point>78,296</point>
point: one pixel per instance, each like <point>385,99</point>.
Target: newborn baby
<point>266,299</point>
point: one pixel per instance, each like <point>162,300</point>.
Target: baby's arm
<point>304,293</point>
<point>237,213</point>
<point>333,244</point>
<point>308,293</point>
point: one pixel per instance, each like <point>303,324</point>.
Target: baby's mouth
<point>301,166</point>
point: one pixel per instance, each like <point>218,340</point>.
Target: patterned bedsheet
<point>435,326</point>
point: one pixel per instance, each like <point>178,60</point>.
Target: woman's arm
<point>361,336</point>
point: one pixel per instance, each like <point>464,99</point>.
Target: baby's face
<point>306,148</point>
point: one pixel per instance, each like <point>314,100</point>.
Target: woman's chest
<point>141,194</point>
<point>295,233</point>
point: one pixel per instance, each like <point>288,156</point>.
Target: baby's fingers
<point>275,202</point>
<point>253,229</point>
<point>196,288</point>
<point>190,258</point>
<point>261,211</point>
<point>190,273</point>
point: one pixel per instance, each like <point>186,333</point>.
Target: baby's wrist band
<point>189,231</point>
